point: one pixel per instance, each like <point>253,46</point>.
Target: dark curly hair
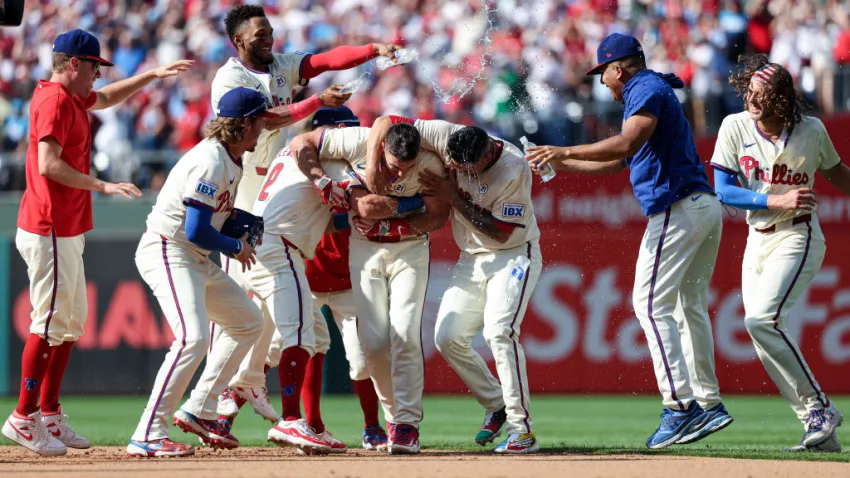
<point>779,94</point>
<point>468,145</point>
<point>240,15</point>
<point>403,141</point>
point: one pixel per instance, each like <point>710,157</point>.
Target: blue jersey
<point>666,168</point>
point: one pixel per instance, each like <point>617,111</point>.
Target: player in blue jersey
<point>679,247</point>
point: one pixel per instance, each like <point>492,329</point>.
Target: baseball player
<point>389,259</point>
<point>279,77</point>
<point>55,212</point>
<point>679,247</point>
<point>774,151</point>
<point>280,202</point>
<point>173,258</point>
<point>494,226</point>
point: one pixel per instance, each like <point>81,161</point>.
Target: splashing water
<point>354,85</point>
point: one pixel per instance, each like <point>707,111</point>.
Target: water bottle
<point>513,288</point>
<point>405,55</point>
<point>546,171</point>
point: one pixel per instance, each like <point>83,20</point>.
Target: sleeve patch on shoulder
<point>513,210</point>
<point>206,188</point>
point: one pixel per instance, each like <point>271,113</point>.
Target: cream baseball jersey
<point>290,204</point>
<point>349,145</point>
<point>279,86</point>
<point>761,166</point>
<point>207,176</point>
<point>504,189</point>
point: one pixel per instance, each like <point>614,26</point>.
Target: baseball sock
<point>34,363</point>
<point>311,394</point>
<point>291,371</point>
<point>53,378</point>
<point>368,401</point>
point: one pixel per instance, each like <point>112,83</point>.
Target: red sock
<point>293,366</point>
<point>368,401</point>
<point>34,362</point>
<point>53,378</point>
<point>311,394</point>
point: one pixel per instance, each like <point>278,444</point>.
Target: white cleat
<point>821,425</point>
<point>297,433</point>
<point>259,400</point>
<point>336,445</point>
<point>227,404</point>
<point>57,426</point>
<point>831,445</point>
<point>30,432</point>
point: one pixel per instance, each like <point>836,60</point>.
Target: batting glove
<point>334,193</point>
<point>384,228</point>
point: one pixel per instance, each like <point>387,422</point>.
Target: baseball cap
<point>80,43</point>
<point>615,46</point>
<point>243,103</point>
<point>326,116</point>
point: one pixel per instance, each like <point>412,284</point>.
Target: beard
<point>262,58</point>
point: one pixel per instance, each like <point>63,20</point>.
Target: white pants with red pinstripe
<point>192,290</point>
<point>389,282</point>
<point>778,267</point>
<point>477,300</point>
<point>670,297</point>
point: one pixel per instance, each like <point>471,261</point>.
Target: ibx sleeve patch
<point>206,188</point>
<point>513,210</point>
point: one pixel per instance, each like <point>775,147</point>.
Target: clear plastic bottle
<point>513,288</point>
<point>405,55</point>
<point>546,171</point>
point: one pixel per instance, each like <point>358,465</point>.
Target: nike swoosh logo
<point>748,145</point>
<point>55,433</point>
<point>232,179</point>
<point>258,86</point>
<point>254,393</point>
<point>696,197</point>
<point>22,434</point>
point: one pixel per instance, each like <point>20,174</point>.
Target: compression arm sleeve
<point>340,58</point>
<point>200,232</point>
<point>729,193</point>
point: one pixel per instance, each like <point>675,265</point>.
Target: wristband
<point>409,204</point>
<point>302,109</point>
<point>341,221</point>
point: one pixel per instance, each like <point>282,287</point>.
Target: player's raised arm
<point>112,94</point>
<point>332,97</point>
<point>344,57</point>
<point>375,181</point>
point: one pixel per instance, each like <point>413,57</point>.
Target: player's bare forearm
<point>839,177</point>
<point>481,218</point>
<point>433,219</point>
<point>593,167</point>
<point>374,154</point>
<point>305,148</point>
<point>372,206</point>
<point>51,166</point>
<point>114,93</point>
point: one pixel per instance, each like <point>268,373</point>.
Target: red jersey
<point>47,205</point>
<point>328,271</point>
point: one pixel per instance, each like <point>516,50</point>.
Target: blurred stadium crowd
<point>536,54</point>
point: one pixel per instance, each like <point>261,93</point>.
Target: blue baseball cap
<point>615,46</point>
<point>343,115</point>
<point>243,103</point>
<point>80,43</point>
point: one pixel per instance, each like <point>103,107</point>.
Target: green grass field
<point>564,424</point>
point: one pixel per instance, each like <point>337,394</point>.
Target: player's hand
<point>395,227</point>
<point>797,199</point>
<point>334,193</point>
<point>539,155</point>
<point>247,256</point>
<point>333,97</point>
<point>128,190</point>
<point>386,49</point>
<point>172,69</point>
<point>439,186</point>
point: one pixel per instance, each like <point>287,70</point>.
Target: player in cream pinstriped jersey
<point>390,262</point>
<point>494,225</point>
<point>774,152</point>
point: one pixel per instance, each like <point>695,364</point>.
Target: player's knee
<point>378,347</point>
<point>196,347</point>
<point>445,340</point>
<point>496,334</point>
<point>758,322</point>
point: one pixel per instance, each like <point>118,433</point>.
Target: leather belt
<point>795,221</point>
<point>262,171</point>
<point>385,239</point>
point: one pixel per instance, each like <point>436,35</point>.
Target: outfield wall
<point>580,334</point>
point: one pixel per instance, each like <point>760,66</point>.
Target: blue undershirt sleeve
<point>729,193</point>
<point>200,232</point>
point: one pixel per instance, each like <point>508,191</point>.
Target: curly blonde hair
<point>226,130</point>
<point>779,95</point>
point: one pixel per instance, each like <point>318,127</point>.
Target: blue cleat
<point>674,424</point>
<point>715,419</point>
<point>375,438</point>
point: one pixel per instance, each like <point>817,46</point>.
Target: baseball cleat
<point>820,425</point>
<point>713,420</point>
<point>259,400</point>
<point>227,403</point>
<point>162,447</point>
<point>375,438</point>
<point>57,426</point>
<point>336,445</point>
<point>494,423</point>
<point>403,439</point>
<point>212,432</point>
<point>831,445</point>
<point>519,443</point>
<point>674,425</point>
<point>296,433</point>
<point>29,432</point>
